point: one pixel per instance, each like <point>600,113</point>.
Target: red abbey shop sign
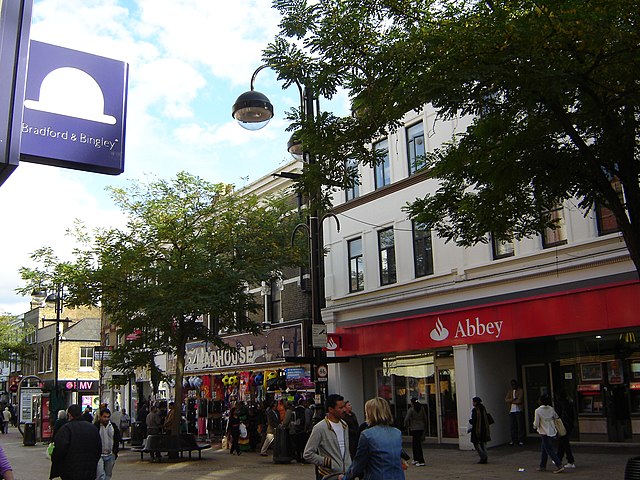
<point>599,308</point>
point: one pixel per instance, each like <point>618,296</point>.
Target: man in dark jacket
<point>77,448</point>
<point>110,439</point>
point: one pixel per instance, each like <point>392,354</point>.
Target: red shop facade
<point>582,343</point>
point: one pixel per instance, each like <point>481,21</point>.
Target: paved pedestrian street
<point>593,463</point>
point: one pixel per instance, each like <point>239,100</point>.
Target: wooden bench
<point>185,442</point>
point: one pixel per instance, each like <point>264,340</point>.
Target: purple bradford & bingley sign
<point>74,110</point>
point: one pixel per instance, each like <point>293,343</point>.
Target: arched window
<point>41,360</point>
<point>49,358</point>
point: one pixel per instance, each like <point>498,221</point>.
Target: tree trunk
<point>177,407</point>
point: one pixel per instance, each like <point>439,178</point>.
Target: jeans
<point>565,447</point>
<point>416,445</point>
<point>268,440</point>
<point>516,421</point>
<point>105,467</point>
<point>481,448</point>
<point>548,450</point>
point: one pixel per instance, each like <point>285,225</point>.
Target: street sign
<point>319,335</point>
<point>322,373</point>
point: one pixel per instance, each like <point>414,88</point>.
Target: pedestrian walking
<point>515,402</point>
<point>544,424</point>
<point>300,430</point>
<point>6,472</point>
<point>273,420</point>
<point>233,430</point>
<point>416,422</point>
<point>351,420</point>
<point>110,438</point>
<point>379,452</point>
<point>60,421</point>
<point>479,429</point>
<point>154,427</point>
<point>564,409</point>
<point>87,415</point>
<point>77,448</point>
<point>125,423</point>
<point>328,444</point>
<point>6,419</point>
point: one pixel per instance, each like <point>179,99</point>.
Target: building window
<point>49,358</point>
<point>274,301</point>
<point>354,191</point>
<point>552,237</point>
<point>501,248</point>
<point>422,250</point>
<point>415,147</point>
<point>382,170</point>
<point>41,360</point>
<point>606,220</point>
<point>86,358</point>
<point>356,265</point>
<point>387,256</point>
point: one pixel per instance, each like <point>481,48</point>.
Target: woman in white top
<point>544,424</point>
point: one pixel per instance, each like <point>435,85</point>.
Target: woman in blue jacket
<point>379,447</point>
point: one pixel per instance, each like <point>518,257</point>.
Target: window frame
<point>410,147</point>
<point>387,255</point>
<point>50,358</point>
<point>351,193</point>
<point>550,235</point>
<point>81,357</point>
<point>496,245</point>
<point>357,261</point>
<point>382,170</point>
<point>414,230</point>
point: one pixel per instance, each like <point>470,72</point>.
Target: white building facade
<point>422,318</point>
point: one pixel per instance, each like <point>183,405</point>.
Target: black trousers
<point>416,445</point>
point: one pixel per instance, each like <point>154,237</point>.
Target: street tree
<point>552,88</point>
<point>13,335</point>
<point>189,252</point>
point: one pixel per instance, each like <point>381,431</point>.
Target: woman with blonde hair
<point>380,446</point>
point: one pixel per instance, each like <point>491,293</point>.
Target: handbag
<point>560,428</point>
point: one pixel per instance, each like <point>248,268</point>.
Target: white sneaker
<point>413,462</point>
<point>570,465</point>
<point>419,464</point>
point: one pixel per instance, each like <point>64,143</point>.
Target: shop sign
<point>246,350</point>
<point>80,385</point>
<point>74,110</point>
<point>594,309</point>
<point>334,342</point>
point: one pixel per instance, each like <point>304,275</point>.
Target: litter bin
<point>137,434</point>
<point>29,437</point>
<point>282,447</point>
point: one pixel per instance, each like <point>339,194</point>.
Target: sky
<point>188,62</point>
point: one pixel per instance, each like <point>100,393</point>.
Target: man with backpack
<point>299,430</point>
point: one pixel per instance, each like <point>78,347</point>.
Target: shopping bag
<point>560,428</point>
<point>225,443</point>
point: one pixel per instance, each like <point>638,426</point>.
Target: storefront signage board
<point>248,350</point>
<point>74,110</point>
<point>594,309</point>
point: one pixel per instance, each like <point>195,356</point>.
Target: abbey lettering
<point>476,328</point>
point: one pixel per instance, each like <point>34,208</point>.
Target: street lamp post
<point>57,299</point>
<point>253,110</point>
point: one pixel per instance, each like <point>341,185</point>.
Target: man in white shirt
<point>515,402</point>
<point>328,444</point>
<point>110,437</point>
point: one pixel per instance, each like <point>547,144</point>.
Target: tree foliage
<point>552,86</point>
<point>13,338</point>
<point>190,249</point>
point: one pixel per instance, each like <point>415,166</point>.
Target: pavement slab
<point>594,462</point>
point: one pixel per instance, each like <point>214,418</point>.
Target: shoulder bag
<point>562,431</point>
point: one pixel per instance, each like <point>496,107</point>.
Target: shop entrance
<point>447,408</point>
<point>432,382</point>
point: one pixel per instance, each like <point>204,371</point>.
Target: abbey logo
<point>439,333</point>
<point>467,328</point>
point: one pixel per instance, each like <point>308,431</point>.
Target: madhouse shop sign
<point>248,350</point>
<point>74,110</point>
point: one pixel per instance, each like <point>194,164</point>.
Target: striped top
<point>4,462</point>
